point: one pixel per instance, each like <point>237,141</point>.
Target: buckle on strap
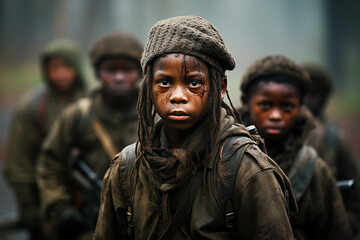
<point>230,220</point>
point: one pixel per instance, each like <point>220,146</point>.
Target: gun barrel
<point>346,185</point>
<point>89,173</point>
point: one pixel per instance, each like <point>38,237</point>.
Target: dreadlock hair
<point>146,110</point>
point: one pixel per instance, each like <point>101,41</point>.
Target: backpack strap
<point>302,170</point>
<point>126,162</point>
<point>231,155</point>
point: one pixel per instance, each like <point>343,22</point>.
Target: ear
<point>245,102</point>
<point>223,87</point>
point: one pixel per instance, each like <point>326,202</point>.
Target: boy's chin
<point>273,138</point>
<point>179,126</point>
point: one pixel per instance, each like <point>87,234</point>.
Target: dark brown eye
<point>163,83</point>
<point>287,107</point>
<point>195,84</point>
<point>264,105</point>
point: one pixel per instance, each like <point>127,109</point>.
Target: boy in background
<point>273,90</point>
<point>61,67</point>
<point>90,132</point>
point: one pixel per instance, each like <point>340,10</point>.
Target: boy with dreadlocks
<point>273,91</point>
<point>197,172</point>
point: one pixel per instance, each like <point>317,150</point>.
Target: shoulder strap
<point>231,153</point>
<point>105,139</point>
<point>302,170</point>
<point>86,115</point>
<point>127,160</point>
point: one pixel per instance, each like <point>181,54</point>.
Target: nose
<point>62,73</point>
<point>178,95</point>
<point>275,115</point>
<point>119,75</point>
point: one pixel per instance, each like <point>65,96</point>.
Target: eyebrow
<point>193,74</point>
<point>161,74</point>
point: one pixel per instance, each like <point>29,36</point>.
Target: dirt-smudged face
<point>180,89</point>
<point>273,108</point>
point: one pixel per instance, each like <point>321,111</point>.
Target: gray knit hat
<point>188,35</point>
<point>276,66</point>
<point>115,44</point>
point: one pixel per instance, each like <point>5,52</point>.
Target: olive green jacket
<point>33,117</point>
<point>321,212</point>
<point>74,131</point>
<point>260,202</point>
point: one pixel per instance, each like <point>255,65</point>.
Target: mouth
<point>178,115</point>
<point>274,131</point>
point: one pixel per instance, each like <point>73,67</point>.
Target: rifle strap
<point>184,206</point>
<point>104,138</point>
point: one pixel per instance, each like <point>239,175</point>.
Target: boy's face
<point>119,76</point>
<point>180,89</point>
<point>273,109</point>
<point>60,74</point>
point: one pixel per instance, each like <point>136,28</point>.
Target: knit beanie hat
<point>276,66</point>
<point>187,35</point>
<point>320,77</point>
<point>115,44</point>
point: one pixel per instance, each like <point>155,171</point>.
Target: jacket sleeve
<point>112,220</point>
<point>261,200</point>
<point>54,160</point>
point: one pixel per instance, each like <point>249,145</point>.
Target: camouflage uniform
<point>32,120</point>
<point>74,137</point>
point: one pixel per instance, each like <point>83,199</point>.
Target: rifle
<point>346,187</point>
<point>89,185</point>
